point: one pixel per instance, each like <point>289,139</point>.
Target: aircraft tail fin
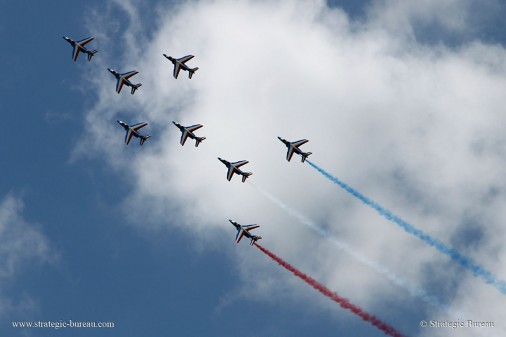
<point>192,71</point>
<point>135,87</point>
<point>305,155</point>
<point>246,175</point>
<point>91,53</point>
<point>198,140</point>
<point>144,138</point>
<point>254,239</point>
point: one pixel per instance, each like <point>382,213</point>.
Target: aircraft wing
<point>184,136</point>
<point>139,126</point>
<point>128,136</point>
<point>230,173</point>
<point>85,41</point>
<point>289,154</point>
<point>250,227</point>
<point>119,85</point>
<point>75,52</point>
<point>177,68</point>
<point>185,59</point>
<point>194,127</point>
<point>299,142</point>
<point>239,235</point>
<point>129,74</point>
<point>240,163</point>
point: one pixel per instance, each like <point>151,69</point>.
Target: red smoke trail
<point>343,302</point>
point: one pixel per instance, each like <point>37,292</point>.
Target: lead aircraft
<point>133,130</point>
<point>243,230</point>
<point>234,168</point>
<point>180,64</point>
<point>123,79</point>
<point>187,131</point>
<point>293,147</point>
<point>79,46</point>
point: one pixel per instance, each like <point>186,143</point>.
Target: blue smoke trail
<point>414,291</point>
<point>467,263</point>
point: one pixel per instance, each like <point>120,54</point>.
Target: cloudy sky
<point>401,100</point>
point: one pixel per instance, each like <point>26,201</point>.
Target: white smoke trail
<point>413,290</point>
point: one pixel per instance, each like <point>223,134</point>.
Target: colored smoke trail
<point>467,263</point>
<point>414,291</point>
<point>343,302</point>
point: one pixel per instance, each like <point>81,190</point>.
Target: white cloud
<point>407,18</point>
<point>417,128</point>
<point>20,243</point>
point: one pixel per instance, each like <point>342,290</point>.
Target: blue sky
<point>403,101</point>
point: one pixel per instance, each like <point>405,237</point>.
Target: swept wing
<point>239,163</point>
<point>185,59</point>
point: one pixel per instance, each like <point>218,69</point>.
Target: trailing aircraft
<point>180,64</point>
<point>234,168</point>
<point>243,230</point>
<point>78,46</point>
<point>187,131</point>
<point>124,79</point>
<point>133,130</point>
<point>293,147</point>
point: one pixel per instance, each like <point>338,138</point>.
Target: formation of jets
<point>186,131</point>
<point>123,79</point>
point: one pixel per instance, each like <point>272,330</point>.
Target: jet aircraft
<point>79,46</point>
<point>293,147</point>
<point>234,168</point>
<point>187,131</point>
<point>133,130</point>
<point>180,64</point>
<point>243,230</point>
<point>124,79</point>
